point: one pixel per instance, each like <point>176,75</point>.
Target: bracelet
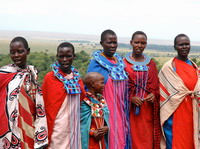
<point>92,131</point>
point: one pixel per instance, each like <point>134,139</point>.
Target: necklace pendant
<point>140,67</point>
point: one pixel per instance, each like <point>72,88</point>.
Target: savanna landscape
<point>43,49</point>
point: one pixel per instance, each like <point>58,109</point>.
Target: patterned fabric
<point>25,120</point>
<point>142,83</point>
<point>173,91</point>
<point>63,110</point>
<point>96,107</point>
<point>71,85</point>
<point>116,95</point>
<point>88,105</point>
<point>66,130</point>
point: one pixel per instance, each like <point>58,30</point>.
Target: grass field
<point>50,46</point>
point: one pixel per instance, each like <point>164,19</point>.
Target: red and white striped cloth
<point>22,114</point>
<point>172,92</point>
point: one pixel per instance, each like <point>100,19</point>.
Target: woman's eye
<point>20,51</point>
<point>12,52</point>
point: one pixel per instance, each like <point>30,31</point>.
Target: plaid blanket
<point>172,93</point>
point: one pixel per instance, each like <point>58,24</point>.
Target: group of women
<point>147,109</point>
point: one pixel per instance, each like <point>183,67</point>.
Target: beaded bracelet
<point>92,131</point>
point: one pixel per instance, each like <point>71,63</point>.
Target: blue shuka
<point>86,119</point>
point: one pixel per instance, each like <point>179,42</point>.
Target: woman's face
<point>65,57</point>
<point>18,54</point>
<point>109,45</point>
<point>138,43</point>
<point>182,46</point>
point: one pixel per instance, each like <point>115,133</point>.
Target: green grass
<point>50,46</point>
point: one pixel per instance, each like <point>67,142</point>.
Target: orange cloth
<point>183,117</point>
<point>94,144</point>
<point>54,94</point>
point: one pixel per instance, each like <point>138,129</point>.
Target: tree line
<point>159,48</point>
<point>43,60</point>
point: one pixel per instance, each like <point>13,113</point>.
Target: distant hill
<point>48,41</point>
<point>6,34</point>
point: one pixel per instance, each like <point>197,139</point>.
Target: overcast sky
<point>159,19</point>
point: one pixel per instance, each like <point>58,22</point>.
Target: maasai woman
<point>63,90</point>
<point>180,91</point>
<point>22,116</point>
<point>143,95</point>
<point>94,114</point>
<point>111,66</point>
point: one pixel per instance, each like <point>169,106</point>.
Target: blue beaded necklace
<point>71,85</point>
<point>141,70</point>
<point>117,70</point>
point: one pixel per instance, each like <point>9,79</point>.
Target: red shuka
<point>145,127</point>
<point>54,94</point>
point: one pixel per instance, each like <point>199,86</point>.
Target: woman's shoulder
<point>49,74</point>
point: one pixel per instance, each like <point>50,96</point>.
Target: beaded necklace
<point>97,108</point>
<point>141,70</point>
<point>116,70</point>
<point>71,85</point>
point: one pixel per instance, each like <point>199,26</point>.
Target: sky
<point>159,19</point>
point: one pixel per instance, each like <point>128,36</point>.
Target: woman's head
<point>19,50</point>
<point>182,46</point>
<point>138,42</point>
<point>65,56</point>
<point>109,42</point>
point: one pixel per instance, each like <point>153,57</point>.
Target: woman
<point>109,64</point>
<point>63,91</point>
<point>23,119</point>
<point>179,88</point>
<point>143,95</point>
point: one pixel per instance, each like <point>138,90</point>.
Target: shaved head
<point>91,77</point>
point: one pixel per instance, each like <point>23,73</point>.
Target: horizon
<point>158,19</point>
<point>42,35</point>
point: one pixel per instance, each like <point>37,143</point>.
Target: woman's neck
<point>137,58</point>
<point>182,58</point>
<point>108,57</point>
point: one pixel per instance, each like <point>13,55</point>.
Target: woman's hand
<point>136,100</point>
<point>150,98</point>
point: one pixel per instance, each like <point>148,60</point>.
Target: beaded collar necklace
<point>71,85</point>
<point>97,108</point>
<point>141,71</point>
<point>116,70</point>
<point>139,66</point>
